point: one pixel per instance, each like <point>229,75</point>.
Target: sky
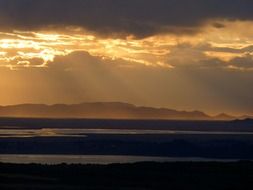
<point>179,54</point>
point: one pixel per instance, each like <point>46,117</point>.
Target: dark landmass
<point>247,121</point>
<point>115,110</point>
<point>183,125</point>
<point>139,176</point>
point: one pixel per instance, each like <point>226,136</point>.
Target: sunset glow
<point>37,49</point>
<point>184,55</point>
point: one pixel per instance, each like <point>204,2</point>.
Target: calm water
<point>95,159</point>
<point>56,132</point>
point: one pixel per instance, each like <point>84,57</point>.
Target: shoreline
<point>54,159</point>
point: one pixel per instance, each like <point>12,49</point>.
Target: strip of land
<point>149,176</point>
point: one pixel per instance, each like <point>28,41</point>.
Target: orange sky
<point>209,69</point>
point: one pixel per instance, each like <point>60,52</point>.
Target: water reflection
<point>56,132</point>
<point>97,159</point>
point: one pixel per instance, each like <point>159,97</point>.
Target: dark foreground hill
<point>111,110</point>
<point>140,176</point>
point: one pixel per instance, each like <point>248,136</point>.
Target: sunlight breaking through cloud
<point>24,49</point>
<point>19,49</point>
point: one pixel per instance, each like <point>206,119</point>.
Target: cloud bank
<point>140,18</point>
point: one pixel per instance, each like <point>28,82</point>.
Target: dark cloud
<point>193,57</point>
<point>218,25</point>
<point>208,47</point>
<point>138,17</point>
<point>245,63</point>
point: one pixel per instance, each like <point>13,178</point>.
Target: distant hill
<point>224,116</point>
<point>246,117</point>
<point>248,121</point>
<point>114,110</point>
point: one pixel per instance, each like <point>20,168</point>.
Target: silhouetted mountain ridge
<point>244,121</point>
<point>224,116</point>
<point>114,110</point>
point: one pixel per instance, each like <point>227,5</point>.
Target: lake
<point>97,159</point>
<point>55,140</point>
<point>68,132</point>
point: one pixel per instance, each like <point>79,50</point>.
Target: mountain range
<point>105,110</point>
